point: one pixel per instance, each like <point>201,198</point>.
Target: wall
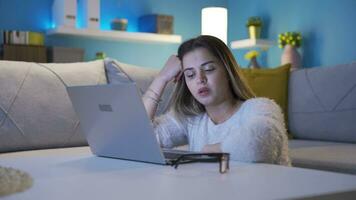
<point>35,15</point>
<point>328,28</point>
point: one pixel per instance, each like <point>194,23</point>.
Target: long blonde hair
<point>182,102</point>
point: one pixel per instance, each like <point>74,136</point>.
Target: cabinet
<point>27,53</point>
<point>41,54</point>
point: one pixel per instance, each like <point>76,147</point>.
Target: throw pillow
<point>35,110</point>
<point>270,83</point>
<point>118,72</point>
<point>322,103</point>
<point>114,73</point>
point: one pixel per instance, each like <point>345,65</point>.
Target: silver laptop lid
<point>115,123</point>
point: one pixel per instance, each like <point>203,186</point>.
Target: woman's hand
<point>212,148</point>
<point>171,70</point>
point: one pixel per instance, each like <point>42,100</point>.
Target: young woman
<point>213,110</point>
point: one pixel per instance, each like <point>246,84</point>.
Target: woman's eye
<point>209,69</point>
<point>189,74</point>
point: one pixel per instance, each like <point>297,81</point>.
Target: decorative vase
<point>254,32</point>
<point>292,56</point>
<point>253,63</point>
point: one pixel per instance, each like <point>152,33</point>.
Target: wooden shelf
<point>117,35</point>
<point>252,43</point>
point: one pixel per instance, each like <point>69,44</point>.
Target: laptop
<point>116,125</point>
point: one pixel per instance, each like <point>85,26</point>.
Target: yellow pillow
<point>271,83</point>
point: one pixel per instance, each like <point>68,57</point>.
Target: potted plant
<point>290,41</point>
<point>252,57</point>
<point>254,25</point>
<point>290,38</point>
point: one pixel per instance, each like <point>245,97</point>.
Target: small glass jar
<point>119,24</point>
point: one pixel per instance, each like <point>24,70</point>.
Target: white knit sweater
<point>255,133</point>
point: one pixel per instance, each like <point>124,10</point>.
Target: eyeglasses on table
<point>222,158</point>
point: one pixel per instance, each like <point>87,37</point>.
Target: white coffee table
<point>74,173</point>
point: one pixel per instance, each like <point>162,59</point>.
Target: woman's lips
<point>203,92</point>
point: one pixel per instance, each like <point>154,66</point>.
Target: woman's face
<point>206,77</point>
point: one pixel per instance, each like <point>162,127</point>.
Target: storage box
<point>89,14</point>
<point>65,55</point>
<point>155,23</point>
<point>64,13</point>
<point>19,52</point>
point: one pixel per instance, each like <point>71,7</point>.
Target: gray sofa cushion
<point>331,156</point>
<point>35,110</point>
<point>322,103</point>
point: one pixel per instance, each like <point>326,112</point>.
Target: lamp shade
<point>214,22</point>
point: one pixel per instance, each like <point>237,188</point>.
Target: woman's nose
<point>202,77</point>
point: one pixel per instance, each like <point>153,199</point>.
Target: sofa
<point>36,112</point>
<point>322,118</point>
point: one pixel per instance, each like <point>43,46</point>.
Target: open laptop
<point>115,123</point>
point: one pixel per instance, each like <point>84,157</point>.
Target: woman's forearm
<point>170,71</point>
<point>153,94</point>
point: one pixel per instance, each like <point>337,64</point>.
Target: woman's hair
<point>182,102</point>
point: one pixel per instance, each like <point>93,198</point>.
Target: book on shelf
<point>22,37</point>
